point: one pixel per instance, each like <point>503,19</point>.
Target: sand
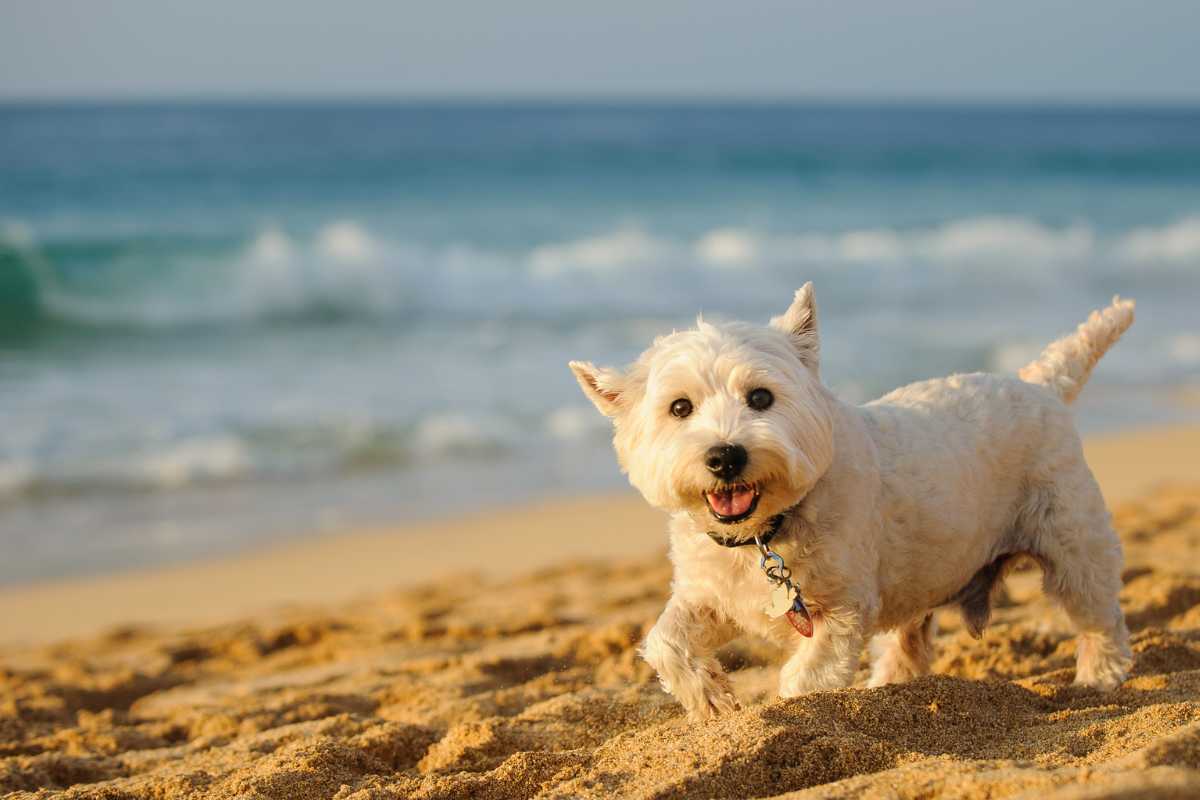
<point>521,680</point>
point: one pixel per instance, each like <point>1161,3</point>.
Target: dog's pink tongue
<point>731,502</point>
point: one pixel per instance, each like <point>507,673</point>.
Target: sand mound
<point>532,687</point>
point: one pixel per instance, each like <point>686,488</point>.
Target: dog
<point>876,515</point>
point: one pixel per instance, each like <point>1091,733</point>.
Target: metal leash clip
<point>785,598</point>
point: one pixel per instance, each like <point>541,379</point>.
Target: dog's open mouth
<point>732,503</point>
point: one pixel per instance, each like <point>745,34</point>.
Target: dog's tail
<point>1065,365</point>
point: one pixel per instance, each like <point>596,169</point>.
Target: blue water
<point>225,323</point>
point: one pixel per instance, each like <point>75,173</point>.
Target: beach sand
<point>494,656</point>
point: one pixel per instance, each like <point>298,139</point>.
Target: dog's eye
<point>681,407</point>
<point>760,399</point>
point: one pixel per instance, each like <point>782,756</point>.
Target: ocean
<point>226,324</point>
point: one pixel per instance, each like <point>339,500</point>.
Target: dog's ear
<point>800,321</point>
<point>602,386</point>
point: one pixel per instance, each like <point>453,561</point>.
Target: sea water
<point>223,323</point>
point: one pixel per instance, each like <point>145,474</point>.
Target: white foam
<point>193,460</point>
<point>16,234</point>
<point>272,246</point>
<point>728,247</point>
<point>455,432</point>
<point>573,423</point>
<point>1177,243</point>
<point>267,278</point>
<point>1013,238</point>
<point>346,241</point>
<point>341,265</point>
<point>870,245</point>
<point>620,248</point>
<point>972,240</point>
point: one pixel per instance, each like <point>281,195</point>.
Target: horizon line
<point>1080,101</point>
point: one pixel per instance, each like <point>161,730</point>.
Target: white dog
<point>879,513</point>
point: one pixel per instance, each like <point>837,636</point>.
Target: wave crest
<point>1174,244</point>
<point>150,464</point>
<point>621,248</point>
<point>344,271</point>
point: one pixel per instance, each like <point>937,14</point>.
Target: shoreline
<point>495,543</point>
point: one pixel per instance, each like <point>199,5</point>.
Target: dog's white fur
<point>893,509</point>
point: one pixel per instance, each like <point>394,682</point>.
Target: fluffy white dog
<point>879,513</point>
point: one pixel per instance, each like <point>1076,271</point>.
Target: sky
<point>1088,50</point>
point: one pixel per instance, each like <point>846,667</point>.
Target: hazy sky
<point>1087,49</point>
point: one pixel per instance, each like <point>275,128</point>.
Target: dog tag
<point>780,602</point>
<point>800,619</point>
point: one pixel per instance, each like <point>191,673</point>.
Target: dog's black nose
<point>726,461</point>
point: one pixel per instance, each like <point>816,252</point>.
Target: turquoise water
<point>225,323</point>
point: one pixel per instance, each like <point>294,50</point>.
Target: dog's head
<point>728,423</point>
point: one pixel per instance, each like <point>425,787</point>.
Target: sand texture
<point>531,687</point>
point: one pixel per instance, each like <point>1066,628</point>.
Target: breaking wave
<point>1177,244</point>
<point>185,462</point>
<point>165,282</point>
<point>289,454</point>
<point>342,271</point>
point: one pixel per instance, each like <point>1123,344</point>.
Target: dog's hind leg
<point>903,654</point>
<point>1080,556</point>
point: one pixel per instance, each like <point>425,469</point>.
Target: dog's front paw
<point>703,689</point>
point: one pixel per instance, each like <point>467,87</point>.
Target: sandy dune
<point>504,686</point>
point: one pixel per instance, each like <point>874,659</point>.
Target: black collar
<point>765,537</point>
